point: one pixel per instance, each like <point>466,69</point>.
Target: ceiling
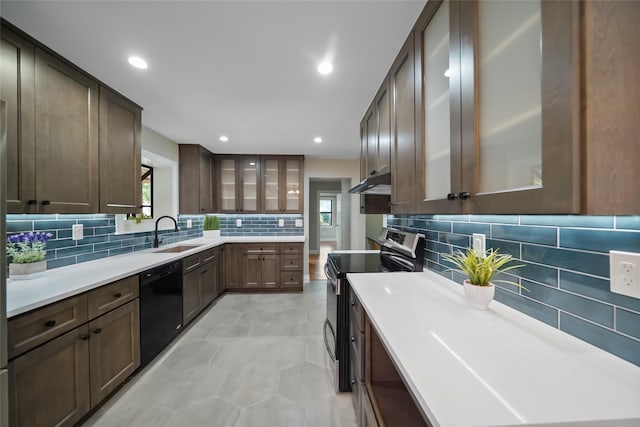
<point>246,69</point>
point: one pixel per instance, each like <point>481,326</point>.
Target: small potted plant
<point>27,253</point>
<point>478,289</point>
<point>211,227</point>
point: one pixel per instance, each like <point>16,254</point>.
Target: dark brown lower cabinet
<point>208,282</point>
<point>49,386</point>
<point>191,296</point>
<point>231,266</point>
<point>57,383</point>
<point>114,349</point>
<point>263,267</point>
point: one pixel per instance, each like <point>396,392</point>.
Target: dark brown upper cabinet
<point>282,184</point>
<point>17,89</point>
<point>239,184</point>
<point>120,151</point>
<point>197,188</point>
<point>403,141</point>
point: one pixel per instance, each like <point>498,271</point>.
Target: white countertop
<point>60,283</point>
<point>468,367</point>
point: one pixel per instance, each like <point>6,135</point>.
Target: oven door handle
<point>331,277</point>
<point>326,342</point>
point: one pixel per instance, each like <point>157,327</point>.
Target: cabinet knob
<point>85,337</point>
<point>96,330</point>
<point>50,323</point>
<point>353,339</point>
<point>452,196</point>
<point>117,294</point>
<point>204,271</point>
<point>32,202</point>
<point>46,202</point>
<point>464,195</point>
<point>353,381</point>
<point>353,303</point>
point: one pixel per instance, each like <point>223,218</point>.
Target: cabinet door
<point>114,349</point>
<point>293,186</point>
<point>252,271</point>
<point>120,151</point>
<point>403,150</point>
<point>250,178</point>
<point>521,107</point>
<point>371,119</point>
<point>271,185</point>
<point>270,270</point>
<point>66,137</point>
<point>383,111</point>
<point>205,180</point>
<point>17,90</point>
<point>228,187</point>
<point>50,385</point>
<point>232,261</point>
<point>191,296</point>
<point>437,49</point>
<point>208,282</point>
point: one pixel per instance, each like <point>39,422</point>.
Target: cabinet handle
<point>117,294</point>
<point>46,202</point>
<point>205,271</point>
<point>32,202</point>
<point>464,195</point>
<point>452,196</point>
<point>96,330</point>
<point>50,323</point>
<point>85,337</point>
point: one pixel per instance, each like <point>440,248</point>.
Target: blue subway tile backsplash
<point>566,269</point>
<point>100,240</point>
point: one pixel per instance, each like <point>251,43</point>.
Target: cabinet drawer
<point>291,279</point>
<point>291,248</point>
<point>356,312</point>
<point>261,248</point>
<point>208,256</point>
<point>108,297</point>
<point>190,263</point>
<point>290,262</point>
<point>32,329</point>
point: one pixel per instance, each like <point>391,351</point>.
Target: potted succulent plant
<point>27,253</point>
<point>478,289</point>
<point>211,227</point>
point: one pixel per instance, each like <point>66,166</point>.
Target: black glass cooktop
<point>356,263</point>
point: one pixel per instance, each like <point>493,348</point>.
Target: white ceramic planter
<point>211,234</point>
<point>479,296</point>
<point>27,271</point>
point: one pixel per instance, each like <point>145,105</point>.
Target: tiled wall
<point>100,240</point>
<point>261,225</point>
<point>566,269</point>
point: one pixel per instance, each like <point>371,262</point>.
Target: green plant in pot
<point>211,227</point>
<point>478,288</point>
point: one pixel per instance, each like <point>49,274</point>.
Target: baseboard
<point>313,252</point>
<point>307,278</point>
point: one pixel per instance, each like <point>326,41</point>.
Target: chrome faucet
<point>156,242</point>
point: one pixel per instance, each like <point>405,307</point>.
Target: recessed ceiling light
<point>325,68</point>
<point>138,62</point>
<point>317,140</point>
<point>224,138</point>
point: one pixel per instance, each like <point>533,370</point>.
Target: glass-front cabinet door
<point>228,185</point>
<point>520,107</point>
<point>250,174</point>
<point>271,184</point>
<point>438,145</point>
<point>293,185</point>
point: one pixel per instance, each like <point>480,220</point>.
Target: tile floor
<point>249,360</point>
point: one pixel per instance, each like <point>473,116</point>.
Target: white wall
<point>159,144</point>
<point>334,168</point>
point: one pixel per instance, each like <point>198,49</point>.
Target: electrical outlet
<point>238,222</point>
<point>479,244</point>
<point>281,223</point>
<point>189,223</point>
<point>298,223</point>
<point>625,273</point>
<point>77,231</point>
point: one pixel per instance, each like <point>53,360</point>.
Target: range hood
<point>379,182</point>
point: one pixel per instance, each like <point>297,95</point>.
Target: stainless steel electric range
<point>400,251</point>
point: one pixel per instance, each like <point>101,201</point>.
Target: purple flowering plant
<point>28,247</point>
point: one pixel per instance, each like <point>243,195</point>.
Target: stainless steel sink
<point>174,249</point>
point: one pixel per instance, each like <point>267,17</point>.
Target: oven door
<point>330,331</point>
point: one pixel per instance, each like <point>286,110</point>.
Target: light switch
<point>77,231</point>
<point>238,222</point>
<point>281,223</point>
<point>479,244</point>
<point>189,223</point>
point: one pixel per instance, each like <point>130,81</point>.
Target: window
<point>147,190</point>
<point>326,212</point>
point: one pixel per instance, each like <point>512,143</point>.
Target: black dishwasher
<point>160,309</point>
